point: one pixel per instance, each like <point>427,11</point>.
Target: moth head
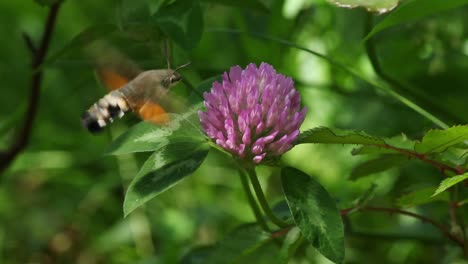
<point>173,77</point>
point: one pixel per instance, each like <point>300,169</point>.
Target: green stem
<point>252,202</point>
<point>263,202</point>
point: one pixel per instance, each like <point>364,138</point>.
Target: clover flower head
<point>254,114</point>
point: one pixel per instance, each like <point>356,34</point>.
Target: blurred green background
<point>61,200</point>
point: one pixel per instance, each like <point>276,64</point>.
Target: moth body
<point>142,95</point>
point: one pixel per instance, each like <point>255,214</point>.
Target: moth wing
<point>111,79</point>
<point>153,112</point>
<point>157,111</point>
<point>113,68</point>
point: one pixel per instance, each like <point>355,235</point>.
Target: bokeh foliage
<point>61,200</point>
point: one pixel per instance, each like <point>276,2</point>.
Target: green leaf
<point>419,197</point>
<point>439,140</point>
<point>83,39</point>
<point>182,21</point>
<point>458,156</point>
<point>315,213</point>
<point>401,141</point>
<point>372,150</point>
<point>336,136</point>
<point>162,170</point>
<point>413,10</point>
<point>380,6</point>
<point>379,164</point>
<point>145,136</point>
<point>254,5</point>
<point>137,139</point>
<point>449,182</point>
<point>241,242</point>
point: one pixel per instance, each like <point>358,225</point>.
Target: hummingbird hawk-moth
<point>145,93</point>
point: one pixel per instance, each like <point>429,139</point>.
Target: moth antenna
<point>186,82</point>
<point>166,53</point>
<point>182,66</point>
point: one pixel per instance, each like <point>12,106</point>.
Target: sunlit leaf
<point>135,139</point>
<point>246,4</point>
<point>237,244</point>
<point>336,136</point>
<point>419,197</point>
<point>162,170</point>
<point>380,6</point>
<point>379,164</point>
<point>315,213</point>
<point>439,140</point>
<point>449,182</point>
<point>182,21</point>
<point>145,136</point>
<point>413,10</point>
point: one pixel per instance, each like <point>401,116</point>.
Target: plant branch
<point>425,219</point>
<point>263,202</point>
<point>29,43</point>
<point>252,202</point>
<point>423,157</point>
<point>22,138</point>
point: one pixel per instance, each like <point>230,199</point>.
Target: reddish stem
<point>423,157</point>
<point>281,232</point>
